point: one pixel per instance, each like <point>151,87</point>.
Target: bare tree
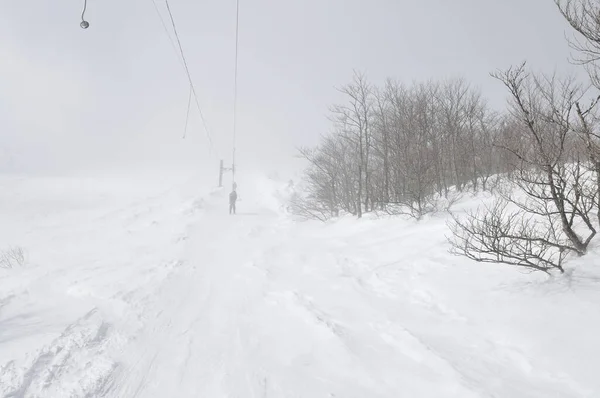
<point>584,18</point>
<point>354,121</point>
<point>587,130</point>
<point>545,107</point>
<point>452,105</point>
<point>555,193</point>
<point>381,139</point>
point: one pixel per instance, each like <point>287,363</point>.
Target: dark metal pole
<point>221,174</point>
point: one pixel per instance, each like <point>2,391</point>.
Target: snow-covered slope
<point>158,292</point>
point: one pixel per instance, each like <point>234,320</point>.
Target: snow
<point>141,288</point>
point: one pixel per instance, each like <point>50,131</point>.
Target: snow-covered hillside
<point>154,290</point>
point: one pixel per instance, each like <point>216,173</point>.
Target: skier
<point>232,199</point>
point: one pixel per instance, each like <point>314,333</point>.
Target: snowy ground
<point>158,292</point>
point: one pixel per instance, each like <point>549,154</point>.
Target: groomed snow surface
<point>134,289</point>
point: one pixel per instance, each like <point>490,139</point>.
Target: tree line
<point>399,148</point>
<point>413,149</point>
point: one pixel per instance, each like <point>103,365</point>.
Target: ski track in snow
<point>255,305</point>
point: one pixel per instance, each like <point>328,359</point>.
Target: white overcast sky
<point>114,97</point>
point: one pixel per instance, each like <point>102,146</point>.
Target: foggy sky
<point>114,97</point>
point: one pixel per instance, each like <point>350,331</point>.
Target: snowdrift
<point>153,290</point>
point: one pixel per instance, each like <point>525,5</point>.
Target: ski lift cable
<point>187,116</point>
<point>164,25</point>
<point>84,24</point>
<point>188,74</point>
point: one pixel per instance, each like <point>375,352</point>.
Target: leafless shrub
<point>308,208</point>
<point>12,257</point>
<point>493,234</point>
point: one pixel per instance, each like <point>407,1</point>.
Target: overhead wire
<point>172,42</point>
<point>164,25</point>
<point>193,89</point>
<point>187,115</point>
<point>84,24</point>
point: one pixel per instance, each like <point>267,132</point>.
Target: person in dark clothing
<point>232,199</point>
